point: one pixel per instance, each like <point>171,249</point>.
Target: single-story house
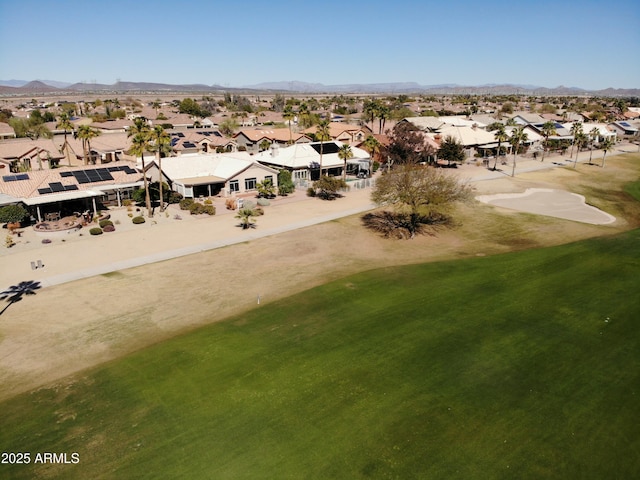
<point>528,119</point>
<point>345,133</point>
<point>304,160</point>
<point>7,131</point>
<point>22,156</point>
<point>624,128</point>
<point>206,175</point>
<point>70,190</point>
<point>252,138</point>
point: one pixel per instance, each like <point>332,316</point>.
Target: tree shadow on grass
<point>15,293</point>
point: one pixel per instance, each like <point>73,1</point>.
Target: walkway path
<point>80,255</point>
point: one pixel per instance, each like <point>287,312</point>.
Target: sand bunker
<point>553,203</point>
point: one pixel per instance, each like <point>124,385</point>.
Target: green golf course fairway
<point>523,365</point>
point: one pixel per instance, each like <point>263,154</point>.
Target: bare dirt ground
<point>72,326</point>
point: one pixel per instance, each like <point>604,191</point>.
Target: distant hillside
<point>19,87</point>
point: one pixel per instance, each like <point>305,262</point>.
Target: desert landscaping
<point>107,296</point>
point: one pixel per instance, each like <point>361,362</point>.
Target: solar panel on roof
<point>56,187</point>
<point>70,187</point>
<point>129,170</point>
<point>66,174</point>
<point>43,191</point>
<point>217,134</point>
<point>114,169</point>
<point>327,148</point>
<point>174,141</point>
<point>188,145</point>
<point>624,124</point>
<point>15,178</point>
<point>81,176</point>
<point>181,135</point>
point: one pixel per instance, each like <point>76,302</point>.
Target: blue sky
<point>584,43</point>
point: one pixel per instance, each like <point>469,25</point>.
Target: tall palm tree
<point>548,129</point>
<point>288,115</point>
<point>323,134</point>
<point>86,133</point>
<point>140,136</point>
<point>373,146</point>
<point>594,134</point>
<point>64,122</point>
<point>370,110</point>
<point>156,104</point>
<point>501,136</point>
<point>345,153</point>
<point>161,144</point>
<point>606,145</point>
<point>518,137</point>
<point>581,140</point>
<point>383,113</point>
<point>576,129</point>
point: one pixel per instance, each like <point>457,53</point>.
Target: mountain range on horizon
<point>20,87</point>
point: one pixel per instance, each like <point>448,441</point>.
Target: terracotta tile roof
<point>6,130</point>
<point>37,179</point>
<point>274,134</point>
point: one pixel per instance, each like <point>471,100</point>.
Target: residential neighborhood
<point>225,147</point>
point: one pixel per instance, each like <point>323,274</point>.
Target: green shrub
<point>208,201</point>
<point>185,203</point>
<point>138,220</point>
<point>197,208</point>
<point>311,192</point>
<point>12,214</point>
<point>104,223</point>
<point>209,210</point>
<point>95,231</point>
<point>173,197</point>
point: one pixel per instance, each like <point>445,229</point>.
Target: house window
<point>250,184</point>
<point>234,186</point>
<point>269,177</point>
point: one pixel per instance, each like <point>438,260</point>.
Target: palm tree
<point>369,111</point>
<point>15,293</point>
<point>576,129</point>
<point>86,133</point>
<point>581,140</point>
<point>247,215</point>
<point>162,147</point>
<point>64,122</point>
<point>606,145</point>
<point>322,133</point>
<point>594,134</point>
<point>518,136</point>
<point>141,143</point>
<point>371,145</point>
<point>345,153</point>
<point>500,136</point>
<point>156,104</point>
<point>548,129</point>
<point>383,113</point>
